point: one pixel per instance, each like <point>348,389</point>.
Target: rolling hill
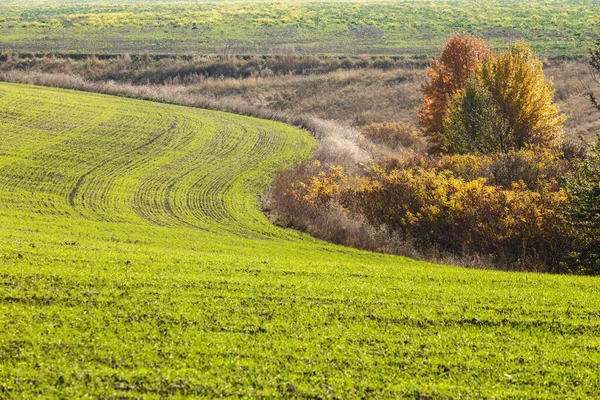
<point>135,262</point>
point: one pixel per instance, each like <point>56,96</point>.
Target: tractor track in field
<point>223,155</point>
<point>215,206</point>
<point>82,178</point>
<point>144,163</point>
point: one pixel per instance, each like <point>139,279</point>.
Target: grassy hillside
<point>554,27</point>
<point>135,262</point>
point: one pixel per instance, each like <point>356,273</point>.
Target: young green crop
<point>346,27</point>
<point>135,263</point>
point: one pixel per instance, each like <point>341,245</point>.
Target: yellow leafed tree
<point>515,79</point>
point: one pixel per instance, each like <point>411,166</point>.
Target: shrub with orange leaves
<point>458,60</point>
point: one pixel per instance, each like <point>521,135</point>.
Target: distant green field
<point>348,27</point>
<point>135,263</point>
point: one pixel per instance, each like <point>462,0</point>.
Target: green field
<point>347,27</point>
<point>135,263</point>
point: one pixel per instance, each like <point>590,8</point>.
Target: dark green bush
<point>583,212</point>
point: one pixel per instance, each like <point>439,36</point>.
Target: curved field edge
<point>135,262</point>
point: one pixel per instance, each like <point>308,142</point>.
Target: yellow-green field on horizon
<point>135,262</point>
<point>259,27</point>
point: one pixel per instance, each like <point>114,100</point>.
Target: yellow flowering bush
<point>435,207</point>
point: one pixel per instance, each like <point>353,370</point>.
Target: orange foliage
<point>458,60</point>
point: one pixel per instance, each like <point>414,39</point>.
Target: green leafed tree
<point>583,211</point>
<point>583,187</point>
<point>475,123</point>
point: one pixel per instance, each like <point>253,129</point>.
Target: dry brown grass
<point>362,97</point>
<point>357,97</point>
<point>352,96</point>
<point>572,79</point>
<point>395,135</point>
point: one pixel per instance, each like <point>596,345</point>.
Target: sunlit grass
<point>135,262</point>
<point>553,27</point>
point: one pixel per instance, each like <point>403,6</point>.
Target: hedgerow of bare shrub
<point>154,69</point>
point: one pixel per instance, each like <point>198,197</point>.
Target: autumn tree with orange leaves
<point>479,102</point>
<point>458,60</point>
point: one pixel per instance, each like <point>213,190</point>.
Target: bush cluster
<point>478,102</point>
<point>498,183</point>
<point>471,205</point>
